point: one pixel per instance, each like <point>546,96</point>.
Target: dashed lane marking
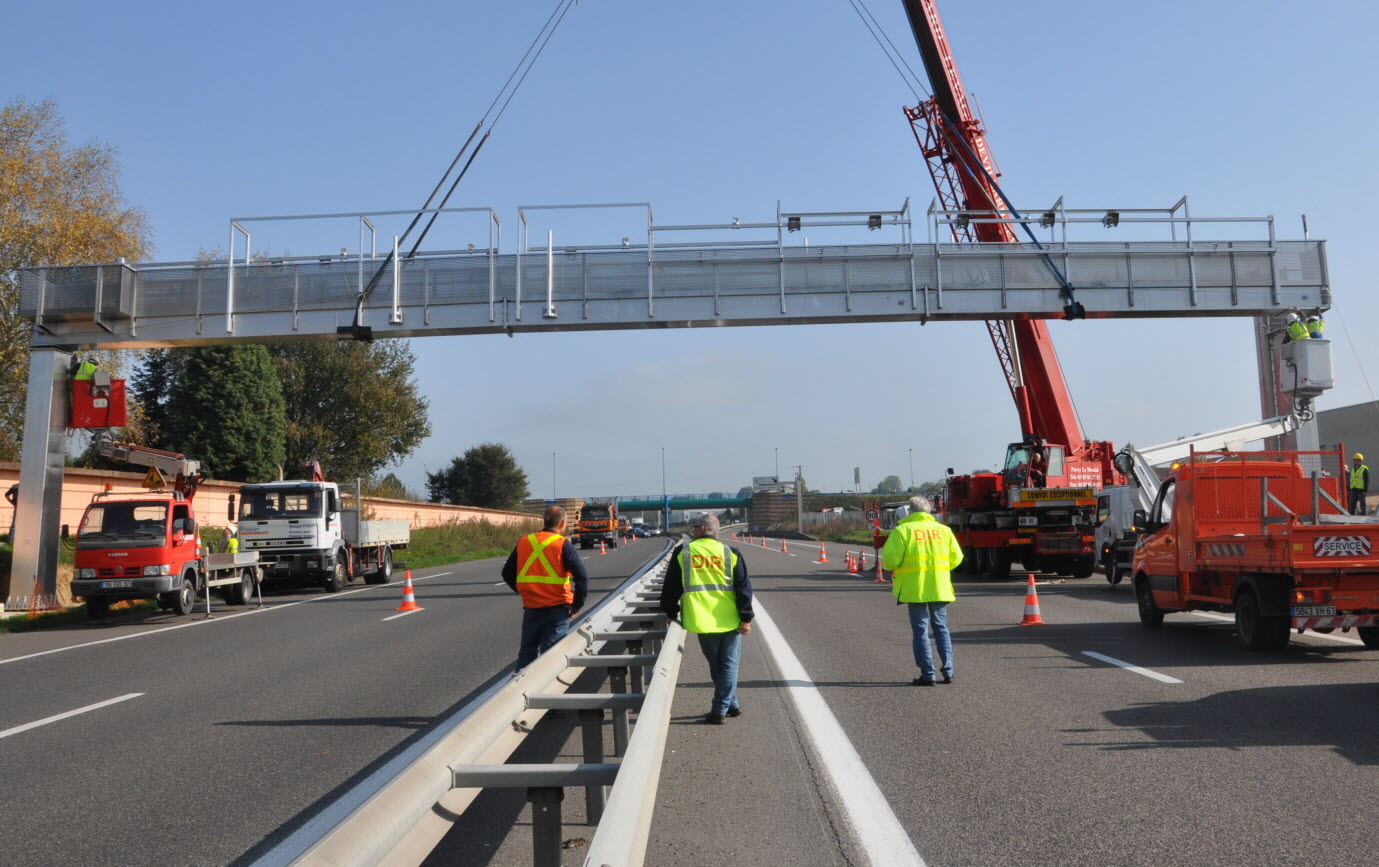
<point>878,831</point>
<point>1130,667</point>
<point>71,713</point>
<point>222,618</point>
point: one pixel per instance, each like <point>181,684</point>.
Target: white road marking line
<point>220,618</point>
<point>52,719</point>
<point>403,614</point>
<point>1128,667</point>
<point>1228,618</point>
<point>878,831</point>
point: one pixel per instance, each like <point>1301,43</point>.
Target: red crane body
<point>982,506</point>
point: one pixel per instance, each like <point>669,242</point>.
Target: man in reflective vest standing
<point>707,585</point>
<point>921,553</point>
<point>1359,484</point>
<point>545,570</point>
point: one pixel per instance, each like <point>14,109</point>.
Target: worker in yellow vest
<point>1359,485</point>
<point>706,584</point>
<point>1316,326</point>
<point>1297,328</point>
<point>545,570</point>
<point>921,554</point>
<point>231,540</point>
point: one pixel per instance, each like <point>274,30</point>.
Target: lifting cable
<point>510,87</point>
<point>956,143</point>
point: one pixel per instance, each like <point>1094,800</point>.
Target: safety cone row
<point>852,564</point>
<point>1032,617</point>
<point>409,601</point>
<point>823,555</point>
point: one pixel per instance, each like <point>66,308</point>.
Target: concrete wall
<point>212,501</point>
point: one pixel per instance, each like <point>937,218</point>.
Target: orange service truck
<point>1264,535</point>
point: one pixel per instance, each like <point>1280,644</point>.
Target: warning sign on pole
<point>154,479</point>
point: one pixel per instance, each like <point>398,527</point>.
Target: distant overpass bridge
<point>670,503</point>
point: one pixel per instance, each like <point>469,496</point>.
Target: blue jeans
<point>541,627</point>
<point>722,650</point>
<point>922,616</point>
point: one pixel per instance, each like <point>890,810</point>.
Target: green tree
<point>352,406</point>
<point>225,408</point>
<point>486,476</point>
<point>60,204</point>
<point>389,487</point>
<point>889,485</point>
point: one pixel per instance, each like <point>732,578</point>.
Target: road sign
<point>873,515</point>
<point>154,479</point>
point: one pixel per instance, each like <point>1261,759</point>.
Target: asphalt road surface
<point>1047,749</point>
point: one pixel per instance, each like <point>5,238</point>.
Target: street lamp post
<point>553,476</point>
<point>912,469</point>
<point>665,501</point>
<point>777,450</point>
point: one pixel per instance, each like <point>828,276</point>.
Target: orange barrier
<point>1032,617</point>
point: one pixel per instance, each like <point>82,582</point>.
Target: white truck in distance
<point>304,531</point>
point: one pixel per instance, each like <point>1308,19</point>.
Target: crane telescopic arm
<point>955,148</point>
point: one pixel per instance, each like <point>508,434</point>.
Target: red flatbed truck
<point>1264,535</point>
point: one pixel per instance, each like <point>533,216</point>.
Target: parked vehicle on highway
<point>1265,535</point>
<point>304,530</point>
<point>598,522</point>
<point>148,546</point>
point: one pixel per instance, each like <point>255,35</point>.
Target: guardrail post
<point>635,647</point>
<point>617,681</point>
<point>591,728</point>
<point>545,824</point>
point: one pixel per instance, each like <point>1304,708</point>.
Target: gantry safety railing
<point>735,273</point>
<point>625,637</point>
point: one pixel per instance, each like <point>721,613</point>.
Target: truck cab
<point>295,527</point>
<point>137,547</point>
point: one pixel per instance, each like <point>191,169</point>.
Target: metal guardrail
<point>401,822</point>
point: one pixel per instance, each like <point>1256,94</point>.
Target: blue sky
<point>711,110</point>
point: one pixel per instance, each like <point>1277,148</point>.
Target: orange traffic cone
<point>409,601</point>
<point>603,549</point>
<point>852,564</point>
<point>782,546</point>
<point>1032,617</point>
<point>880,576</point>
<point>823,555</point>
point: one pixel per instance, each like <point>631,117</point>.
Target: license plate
<point>1314,610</point>
<point>115,585</point>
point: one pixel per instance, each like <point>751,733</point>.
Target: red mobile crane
<point>1038,511</point>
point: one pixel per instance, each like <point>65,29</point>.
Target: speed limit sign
<point>872,514</point>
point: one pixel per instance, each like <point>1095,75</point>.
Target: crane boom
<point>959,159</point>
<point>184,472</point>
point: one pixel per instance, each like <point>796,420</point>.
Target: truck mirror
<point>949,471</point>
<point>230,512</point>
<point>189,526</point>
<point>1141,519</point>
<point>65,531</point>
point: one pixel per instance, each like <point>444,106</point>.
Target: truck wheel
<point>1368,634</point>
<point>184,600</point>
<point>1084,566</point>
<point>1113,573</point>
<point>97,607</point>
<point>1256,631</point>
<point>338,577</point>
<point>999,561</point>
<point>243,592</point>
<point>1150,614</point>
<point>384,573</point>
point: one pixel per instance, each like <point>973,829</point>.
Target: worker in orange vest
<point>545,570</point>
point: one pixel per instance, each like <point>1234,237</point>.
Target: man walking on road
<point>707,585</point>
<point>921,552</point>
<point>545,570</point>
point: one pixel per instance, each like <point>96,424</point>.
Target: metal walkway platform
<point>481,291</point>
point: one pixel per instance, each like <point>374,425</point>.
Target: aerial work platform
<point>656,285</point>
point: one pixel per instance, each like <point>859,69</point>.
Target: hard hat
<point>1359,457</point>
<point>1293,317</point>
<point>1314,318</point>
